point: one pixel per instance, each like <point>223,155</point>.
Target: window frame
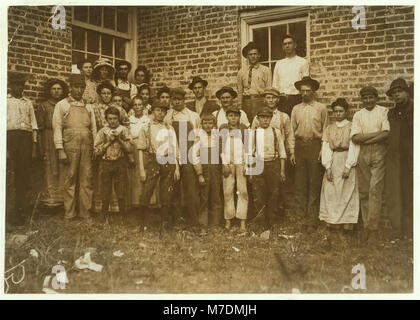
<point>130,36</point>
<point>273,17</point>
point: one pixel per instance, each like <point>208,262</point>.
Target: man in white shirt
<point>370,130</point>
<point>287,71</point>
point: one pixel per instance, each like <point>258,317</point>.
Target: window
<point>103,32</point>
<point>267,28</point>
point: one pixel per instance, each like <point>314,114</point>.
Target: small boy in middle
<point>113,147</point>
<point>268,145</point>
<point>208,167</point>
<point>233,159</point>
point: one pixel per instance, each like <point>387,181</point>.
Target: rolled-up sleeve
<point>385,122</point>
<point>355,127</point>
<point>280,141</point>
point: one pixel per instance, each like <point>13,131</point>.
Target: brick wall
<point>37,48</point>
<point>344,59</point>
<point>176,43</point>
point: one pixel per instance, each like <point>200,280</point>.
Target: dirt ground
<point>184,261</point>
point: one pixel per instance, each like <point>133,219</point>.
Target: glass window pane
<point>106,45</point>
<point>277,34</point>
<point>298,30</point>
<point>119,48</point>
<point>260,37</point>
<point>109,18</point>
<point>95,16</point>
<point>78,38</point>
<point>81,13</point>
<point>122,21</point>
<point>92,41</point>
<point>93,57</point>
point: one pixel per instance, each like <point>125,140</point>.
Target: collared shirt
<point>20,114</point>
<point>61,111</point>
<point>260,80</point>
<point>279,121</point>
<point>183,115</point>
<point>127,85</point>
<point>365,121</point>
<point>308,121</point>
<point>199,104</point>
<point>158,138</point>
<point>221,118</point>
<point>233,148</point>
<point>288,71</point>
<point>114,151</point>
<point>263,144</point>
<point>136,124</point>
<point>206,148</point>
<point>89,95</point>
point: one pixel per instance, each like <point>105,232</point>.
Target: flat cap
<point>178,92</point>
<point>233,109</point>
<point>368,90</point>
<point>266,111</point>
<point>77,79</point>
<point>271,91</point>
<point>398,83</point>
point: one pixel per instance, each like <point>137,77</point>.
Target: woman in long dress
<point>339,194</point>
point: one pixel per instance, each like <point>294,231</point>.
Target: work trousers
<point>19,147</point>
<point>370,174</point>
<point>211,203</point>
<point>308,178</point>
<point>236,176</point>
<point>113,171</point>
<point>266,190</point>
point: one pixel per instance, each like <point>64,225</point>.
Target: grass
<point>181,261</point>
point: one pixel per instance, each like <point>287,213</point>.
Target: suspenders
<point>276,147</point>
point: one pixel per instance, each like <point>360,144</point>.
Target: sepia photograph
<point>208,149</point>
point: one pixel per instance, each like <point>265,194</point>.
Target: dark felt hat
<point>123,63</point>
<point>233,109</point>
<point>368,90</point>
<point>196,80</point>
<point>250,46</point>
<point>266,111</point>
<point>77,79</point>
<point>398,83</point>
<point>179,92</point>
<point>307,81</point>
<point>226,89</point>
<point>17,77</point>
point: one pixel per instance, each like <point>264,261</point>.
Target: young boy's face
<point>233,118</point>
<point>56,91</point>
<point>117,100</point>
<point>159,113</point>
<point>138,107</point>
<point>77,90</point>
<point>113,120</point>
<point>270,100</point>
<point>369,100</point>
<point>264,121</point>
<point>207,125</point>
<point>106,95</point>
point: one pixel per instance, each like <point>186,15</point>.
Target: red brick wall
<point>37,48</point>
<point>176,43</point>
<point>344,59</point>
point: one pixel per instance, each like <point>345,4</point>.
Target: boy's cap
<point>266,111</point>
<point>368,90</point>
<point>398,83</point>
<point>271,91</point>
<point>233,109</point>
<point>77,79</point>
<point>159,104</point>
<point>178,92</point>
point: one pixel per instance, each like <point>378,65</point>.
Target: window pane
<point>260,37</point>
<point>92,41</point>
<point>298,29</point>
<point>95,16</point>
<point>122,21</point>
<point>119,48</point>
<point>93,57</point>
<point>109,18</point>
<point>277,34</point>
<point>81,13</point>
<point>106,45</point>
<point>78,38</point>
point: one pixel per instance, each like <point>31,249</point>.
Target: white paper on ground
<point>85,262</point>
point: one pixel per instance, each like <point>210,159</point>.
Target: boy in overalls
<point>268,145</point>
<point>74,129</point>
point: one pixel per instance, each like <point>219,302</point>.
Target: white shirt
<point>288,71</point>
<point>222,119</point>
<point>365,121</point>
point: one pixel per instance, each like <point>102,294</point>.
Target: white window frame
<point>273,17</point>
<point>130,36</point>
